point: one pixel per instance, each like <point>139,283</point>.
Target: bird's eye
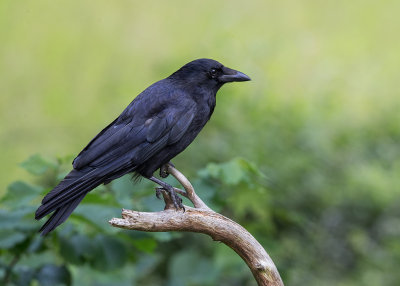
<point>213,72</point>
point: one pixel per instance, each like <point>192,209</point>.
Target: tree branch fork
<point>202,219</point>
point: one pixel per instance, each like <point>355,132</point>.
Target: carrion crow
<point>156,126</point>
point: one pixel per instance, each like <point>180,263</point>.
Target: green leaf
<point>77,249</point>
<point>146,244</point>
<point>126,191</point>
<point>100,198</point>
<point>37,165</point>
<point>146,264</point>
<point>189,267</point>
<point>17,219</point>
<point>69,252</point>
<point>150,203</point>
<point>243,202</point>
<point>211,170</point>
<point>98,215</point>
<point>24,276</point>
<point>67,159</point>
<point>111,253</point>
<point>38,259</point>
<point>8,239</point>
<point>86,275</point>
<point>50,275</point>
<point>20,194</point>
<point>164,236</point>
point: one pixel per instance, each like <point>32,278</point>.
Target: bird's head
<point>208,73</point>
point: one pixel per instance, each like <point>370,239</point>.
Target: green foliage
<point>37,165</point>
<point>87,240</point>
<point>306,234</point>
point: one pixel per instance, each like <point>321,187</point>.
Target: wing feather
<point>180,127</point>
<point>133,142</point>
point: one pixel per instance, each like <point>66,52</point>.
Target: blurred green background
<point>318,128</point>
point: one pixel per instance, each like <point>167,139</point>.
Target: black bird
<point>156,126</point>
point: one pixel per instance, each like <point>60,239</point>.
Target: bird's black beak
<point>230,75</point>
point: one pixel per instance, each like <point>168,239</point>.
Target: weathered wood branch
<point>204,220</point>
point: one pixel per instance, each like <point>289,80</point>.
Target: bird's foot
<point>174,198</point>
<point>164,170</point>
<point>158,192</point>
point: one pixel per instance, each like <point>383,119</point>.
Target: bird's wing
<point>102,142</point>
<point>134,141</point>
<point>166,128</point>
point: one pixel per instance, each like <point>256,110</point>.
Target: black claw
<point>158,193</point>
<point>164,171</point>
<point>176,200</point>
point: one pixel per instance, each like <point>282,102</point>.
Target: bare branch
<point>191,194</point>
<point>202,219</point>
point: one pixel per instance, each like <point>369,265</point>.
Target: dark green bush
<point>314,234</point>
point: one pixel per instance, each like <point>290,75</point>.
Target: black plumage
<point>156,126</point>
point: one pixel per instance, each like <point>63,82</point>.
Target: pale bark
<point>204,220</point>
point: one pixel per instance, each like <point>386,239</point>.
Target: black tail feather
<point>60,215</point>
<point>69,181</point>
<point>65,197</point>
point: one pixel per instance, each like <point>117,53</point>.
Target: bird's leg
<point>164,170</point>
<point>176,200</point>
